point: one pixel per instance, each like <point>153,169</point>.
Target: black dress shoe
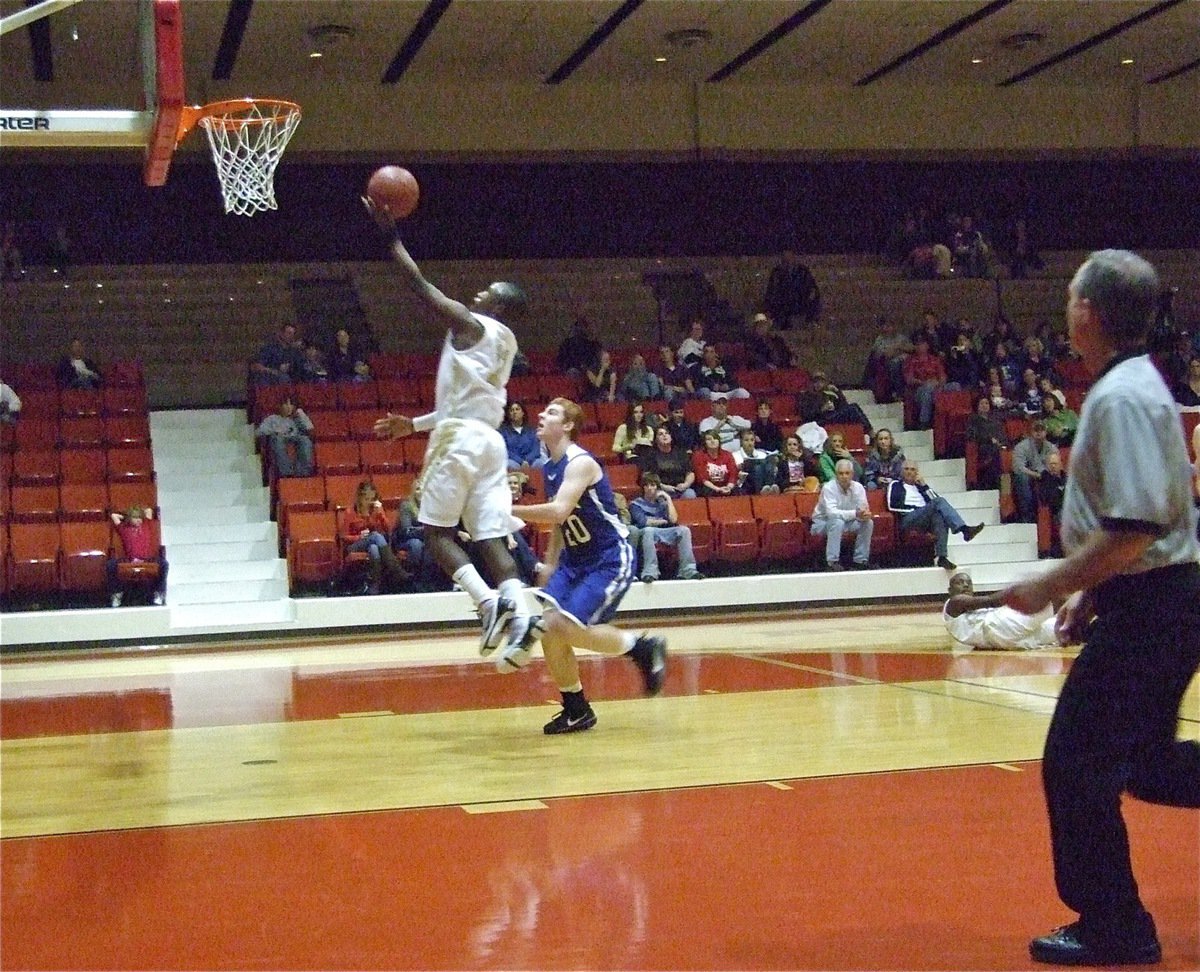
<point>945,563</point>
<point>969,533</point>
<point>1066,946</point>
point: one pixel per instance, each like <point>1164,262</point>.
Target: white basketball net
<point>247,143</point>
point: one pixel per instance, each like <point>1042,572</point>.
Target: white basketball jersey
<point>470,383</point>
<point>1003,629</point>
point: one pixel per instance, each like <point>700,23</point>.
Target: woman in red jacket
<point>366,530</point>
<point>715,468</point>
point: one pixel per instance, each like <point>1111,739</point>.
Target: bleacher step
<point>233,616</point>
<point>227,591</point>
<point>241,532</point>
<point>222,552</point>
<point>241,571</point>
<point>202,497</point>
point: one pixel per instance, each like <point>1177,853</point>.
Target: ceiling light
<point>315,54</point>
<point>977,60</point>
<point>1127,60</point>
<point>660,59</point>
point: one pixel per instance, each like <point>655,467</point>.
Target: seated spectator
<point>601,383</point>
<point>278,360</point>
<point>917,507</point>
<point>676,377</point>
<point>138,545</point>
<point>971,252</point>
<point>1002,406</point>
<point>1048,386</point>
<point>825,403</point>
<point>1028,464</point>
<point>528,566</point>
<point>288,429</point>
<point>757,468</point>
<point>671,464</point>
<point>962,365</point>
<point>579,349</point>
<point>792,297</point>
<point>716,472</point>
<point>346,362</point>
<point>407,540</point>
<point>711,377</point>
<point>767,434</point>
<point>843,509</point>
<point>832,453</point>
<point>931,328</point>
<point>1002,332</point>
<point>640,384</point>
<point>76,370</point>
<point>520,438</point>
<point>987,432</point>
<point>685,434</point>
<point>984,621</point>
<point>728,427</point>
<point>366,531</point>
<point>691,348</point>
<point>924,377</point>
<point>765,348</point>
<point>1010,370</point>
<point>653,513</point>
<point>1187,393</point>
<point>312,366</point>
<point>797,471</point>
<point>1035,356</point>
<point>884,373</point>
<point>10,404</point>
<point>634,437</point>
<point>1029,399</point>
<point>884,462</point>
<point>1061,423</point>
<point>1052,487</point>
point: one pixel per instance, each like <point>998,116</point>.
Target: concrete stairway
<point>216,521</point>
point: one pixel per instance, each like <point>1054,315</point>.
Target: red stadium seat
<point>81,432</point>
<point>83,465</point>
<point>83,501</point>
<point>693,513</point>
<point>34,555</point>
<point>336,458</point>
<point>313,556</point>
<point>315,396</point>
<point>35,433</point>
<point>80,401</point>
<point>394,487</point>
<point>328,425</point>
<point>340,490</point>
<point>124,400</point>
<point>34,504</point>
<point>358,394</point>
<point>126,430</point>
<point>39,403</point>
<point>125,373</point>
<point>35,467</point>
<point>783,535</point>
<point>624,479</point>
<point>85,551</point>
<point>133,462</point>
<point>132,493</point>
<point>382,456</point>
<point>360,423</point>
<point>737,529</point>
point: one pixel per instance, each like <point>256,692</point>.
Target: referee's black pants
<point>1114,731</point>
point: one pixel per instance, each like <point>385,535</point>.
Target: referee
<point>1131,573</point>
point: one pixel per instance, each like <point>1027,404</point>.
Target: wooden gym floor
<point>813,790</point>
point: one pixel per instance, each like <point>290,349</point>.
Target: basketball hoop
<point>247,137</point>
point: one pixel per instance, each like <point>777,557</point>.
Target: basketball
<point>394,189</point>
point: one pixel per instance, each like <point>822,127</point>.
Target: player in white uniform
<point>465,473</point>
<point>983,620</point>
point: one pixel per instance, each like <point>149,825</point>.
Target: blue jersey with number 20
<point>593,534</point>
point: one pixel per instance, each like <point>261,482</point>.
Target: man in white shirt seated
<point>727,426</point>
<point>757,468</point>
<point>983,620</point>
<point>843,509</point>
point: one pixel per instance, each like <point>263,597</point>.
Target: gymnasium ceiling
<point>256,46</point>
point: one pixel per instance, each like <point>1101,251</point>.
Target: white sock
<point>514,590</point>
<point>628,639</point>
<point>467,577</point>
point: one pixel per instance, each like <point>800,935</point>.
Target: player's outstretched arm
<point>580,474</point>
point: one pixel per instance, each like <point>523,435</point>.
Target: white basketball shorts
<point>465,479</point>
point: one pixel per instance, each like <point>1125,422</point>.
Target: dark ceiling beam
<point>1087,45</point>
<point>937,39</point>
<point>41,49</point>
<point>593,41</point>
<point>1175,72</point>
<point>236,18</point>
<point>415,40</point>
<point>772,37</point>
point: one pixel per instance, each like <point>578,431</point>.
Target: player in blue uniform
<point>588,569</point>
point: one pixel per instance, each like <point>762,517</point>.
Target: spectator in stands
<point>601,383</point>
<point>580,348</point>
<point>1002,404</point>
<point>1035,358</point>
<point>691,349</point>
<point>962,365</point>
<point>884,462</point>
<point>639,384</point>
<point>832,453</point>
<point>10,404</point>
<point>684,433</point>
<point>346,362</point>
<point>672,464</point>
<point>138,545</point>
<point>1022,251</point>
<point>924,377</point>
<point>716,472</point>
<point>14,262</point>
<point>843,509</point>
<point>654,514</point>
<point>1030,398</point>
<point>634,437</point>
<point>1061,423</point>
<point>278,360</point>
<point>520,438</point>
<point>825,403</point>
<point>1010,370</point>
<point>76,370</point>
<point>1052,487</point>
<point>765,347</point>
<point>407,540</point>
<point>767,434</point>
<point>528,566</point>
<point>1049,388</point>
<point>931,328</point>
<point>987,432</point>
<point>884,373</point>
<point>676,377</point>
<point>287,430</point>
<point>1187,393</point>
<point>712,376</point>
<point>1028,464</point>
<point>728,427</point>
<point>312,366</point>
<point>1001,333</point>
<point>792,297</point>
<point>797,468</point>
<point>972,253</point>
<point>366,531</point>
<point>918,507</point>
<point>758,469</point>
